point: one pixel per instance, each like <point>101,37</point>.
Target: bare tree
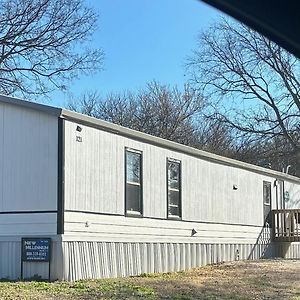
<point>87,103</point>
<point>43,44</point>
<point>158,110</point>
<point>168,113</point>
<point>214,136</point>
<point>253,84</point>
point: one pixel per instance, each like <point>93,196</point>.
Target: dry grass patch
<point>264,279</point>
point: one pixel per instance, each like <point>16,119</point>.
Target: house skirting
<point>104,260</point>
<point>74,260</point>
<point>288,250</point>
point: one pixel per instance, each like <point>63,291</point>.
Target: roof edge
<point>31,105</point>
<point>144,137</point>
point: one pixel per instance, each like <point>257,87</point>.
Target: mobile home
<point>115,202</point>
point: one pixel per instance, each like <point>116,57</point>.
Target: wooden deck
<point>286,225</point>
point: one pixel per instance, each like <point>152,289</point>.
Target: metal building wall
<point>94,180</point>
<point>100,242</point>
<point>28,170</point>
<point>28,186</point>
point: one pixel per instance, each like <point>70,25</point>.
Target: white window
<point>267,202</point>
<point>174,188</point>
<point>133,189</point>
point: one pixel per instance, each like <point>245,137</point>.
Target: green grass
<point>89,289</point>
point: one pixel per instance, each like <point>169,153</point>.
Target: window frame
<point>128,213</point>
<point>267,219</point>
<point>169,216</point>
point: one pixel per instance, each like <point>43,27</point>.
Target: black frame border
<point>61,177</point>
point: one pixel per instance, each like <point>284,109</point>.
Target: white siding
<point>90,172</point>
<point>28,159</point>
<point>99,241</point>
<point>28,224</point>
<point>293,200</point>
<point>85,226</point>
<point>28,171</point>
<point>94,181</point>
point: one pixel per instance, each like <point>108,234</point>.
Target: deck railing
<point>286,225</point>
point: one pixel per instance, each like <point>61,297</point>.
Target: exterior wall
<point>28,224</point>
<point>87,226</point>
<point>94,181</point>
<point>100,242</point>
<point>28,171</point>
<point>292,195</point>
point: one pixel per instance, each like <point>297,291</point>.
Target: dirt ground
<point>264,279</point>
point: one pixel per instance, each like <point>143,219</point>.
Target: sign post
<point>35,250</point>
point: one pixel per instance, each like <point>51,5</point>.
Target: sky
<point>143,40</point>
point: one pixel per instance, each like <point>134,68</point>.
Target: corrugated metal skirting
<point>84,260</point>
<point>288,250</point>
<point>74,260</point>
<point>10,259</point>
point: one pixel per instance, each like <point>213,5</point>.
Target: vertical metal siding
<point>74,260</point>
<point>288,250</point>
<point>28,159</point>
<point>104,259</point>
<point>95,180</point>
<point>10,260</point>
